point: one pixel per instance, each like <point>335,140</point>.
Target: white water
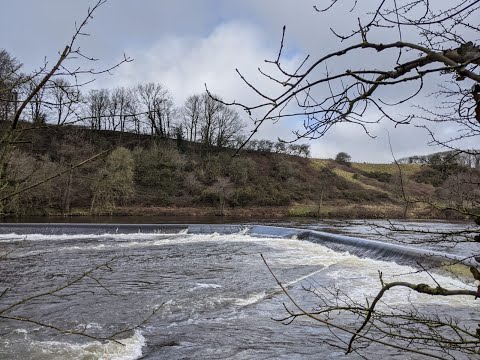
<point>126,349</point>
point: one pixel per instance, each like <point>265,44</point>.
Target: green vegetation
<point>343,158</point>
<point>114,182</point>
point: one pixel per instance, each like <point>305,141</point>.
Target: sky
<point>185,44</point>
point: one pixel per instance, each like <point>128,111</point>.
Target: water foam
<point>252,299</point>
<point>205,286</point>
<point>12,237</point>
<point>358,275</point>
<point>127,349</point>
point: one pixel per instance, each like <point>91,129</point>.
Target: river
<point>213,294</point>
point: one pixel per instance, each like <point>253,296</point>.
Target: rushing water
<point>215,296</point>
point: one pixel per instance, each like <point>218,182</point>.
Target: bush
<point>343,158</point>
<point>25,170</point>
<point>380,176</point>
<point>115,181</point>
<point>158,166</point>
<point>273,197</point>
<point>283,169</point>
<point>192,185</point>
<point>214,167</point>
<point>429,175</point>
<point>243,196</point>
<point>241,169</point>
<point>208,197</point>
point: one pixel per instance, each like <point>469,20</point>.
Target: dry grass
<point>349,177</point>
<point>308,210</point>
<point>407,169</point>
<point>319,164</point>
<point>352,211</point>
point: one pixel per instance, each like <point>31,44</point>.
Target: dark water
<point>215,296</point>
<point>132,219</point>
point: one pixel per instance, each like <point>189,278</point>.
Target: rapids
<point>214,295</point>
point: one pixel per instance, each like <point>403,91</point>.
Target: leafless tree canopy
<point>430,42</point>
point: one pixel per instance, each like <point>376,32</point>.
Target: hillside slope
<point>143,175</point>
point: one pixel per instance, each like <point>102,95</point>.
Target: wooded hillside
<point>147,175</point>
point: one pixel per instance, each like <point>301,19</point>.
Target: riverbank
<point>143,214</point>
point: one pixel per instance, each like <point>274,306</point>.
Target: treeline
<point>143,109</point>
<point>467,158</point>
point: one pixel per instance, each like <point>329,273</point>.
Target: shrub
<point>243,196</point>
<point>283,169</point>
<point>192,185</point>
<point>241,169</point>
<point>208,197</point>
<point>380,176</point>
<point>428,175</point>
<point>158,166</point>
<point>115,181</point>
<point>25,170</point>
<point>212,169</point>
<point>343,158</point>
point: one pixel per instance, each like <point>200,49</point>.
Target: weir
<point>364,247</point>
<point>357,246</point>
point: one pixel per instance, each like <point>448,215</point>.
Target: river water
<point>215,297</point>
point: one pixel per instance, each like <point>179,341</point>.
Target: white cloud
<point>185,64</point>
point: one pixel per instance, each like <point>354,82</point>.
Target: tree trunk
<point>320,203</point>
<point>67,195</point>
<point>92,205</point>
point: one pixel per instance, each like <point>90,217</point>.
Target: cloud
<point>185,64</point>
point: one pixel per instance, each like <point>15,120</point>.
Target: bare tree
<point>190,116</point>
<point>65,100</point>
<point>219,125</point>
<point>440,50</point>
<point>165,112</point>
<point>98,103</point>
<point>228,126</point>
<point>37,104</point>
<point>10,81</point>
<point>120,103</point>
<point>158,106</point>
<point>210,108</point>
<point>134,113</point>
